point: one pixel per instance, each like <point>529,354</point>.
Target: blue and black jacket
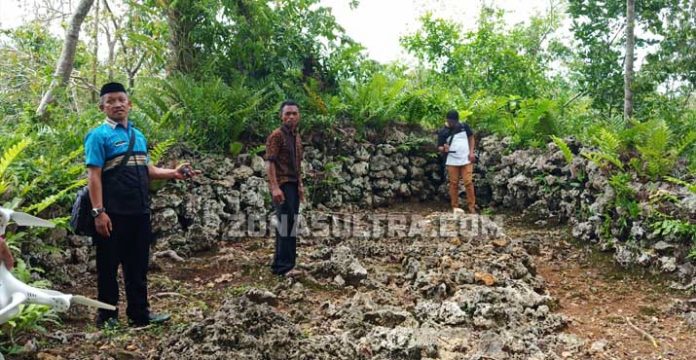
<point>124,188</point>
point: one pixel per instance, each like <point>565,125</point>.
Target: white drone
<point>14,292</point>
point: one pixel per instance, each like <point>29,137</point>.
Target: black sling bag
<point>81,220</point>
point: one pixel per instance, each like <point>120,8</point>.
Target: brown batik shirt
<point>284,148</point>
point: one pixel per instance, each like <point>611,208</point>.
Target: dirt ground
<point>595,294</point>
<point>601,298</point>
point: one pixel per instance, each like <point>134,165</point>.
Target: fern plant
<point>160,149</point>
<point>674,227</point>
<point>565,149</point>
<point>7,158</point>
<point>609,145</point>
<point>209,113</point>
<point>528,122</point>
<point>658,147</point>
<point>52,199</point>
<point>373,102</point>
<point>690,186</point>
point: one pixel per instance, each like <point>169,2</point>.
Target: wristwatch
<point>96,211</point>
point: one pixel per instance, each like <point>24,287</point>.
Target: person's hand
<point>6,254</point>
<point>446,148</point>
<point>103,225</point>
<point>472,158</point>
<point>278,196</point>
<point>185,171</point>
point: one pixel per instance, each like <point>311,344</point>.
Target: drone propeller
<point>24,219</point>
<point>79,299</point>
<point>21,219</point>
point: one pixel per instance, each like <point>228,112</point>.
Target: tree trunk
<point>95,51</point>
<point>628,71</point>
<point>180,17</point>
<point>64,66</point>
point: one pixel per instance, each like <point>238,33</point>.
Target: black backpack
<point>81,220</point>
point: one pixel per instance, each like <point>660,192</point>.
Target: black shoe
<point>153,319</point>
<point>103,323</point>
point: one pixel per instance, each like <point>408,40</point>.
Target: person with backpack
<point>456,142</point>
<point>119,172</point>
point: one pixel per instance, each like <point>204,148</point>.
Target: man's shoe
<point>457,210</point>
<point>107,323</point>
<point>159,318</point>
<point>294,273</point>
<point>153,319</point>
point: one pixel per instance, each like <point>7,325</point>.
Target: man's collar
<point>113,124</point>
<point>288,129</point>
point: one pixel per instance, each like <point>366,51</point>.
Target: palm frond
<point>11,153</point>
<point>51,199</point>
<point>160,149</point>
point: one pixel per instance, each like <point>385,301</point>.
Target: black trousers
<point>286,232</point>
<point>129,246</point>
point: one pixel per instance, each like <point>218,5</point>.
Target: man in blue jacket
<point>121,206</point>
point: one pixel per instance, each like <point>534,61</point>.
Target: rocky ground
<point>515,292</point>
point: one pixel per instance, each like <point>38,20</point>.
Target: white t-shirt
<point>459,150</point>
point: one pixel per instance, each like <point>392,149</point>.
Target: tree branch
<point>64,66</point>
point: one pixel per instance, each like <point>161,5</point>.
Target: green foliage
<point>435,43</point>
<point>321,184</point>
<point>374,102</point>
<point>236,148</point>
<point>609,145</point>
<point>674,227</point>
<point>690,186</point>
<point>256,150</point>
<point>502,61</point>
<point>531,122</point>
<point>52,199</point>
<point>658,146</point>
<point>663,26</point>
<point>31,319</point>
<point>209,114</point>
<point>160,149</point>
<point>567,153</point>
<point>428,105</point>
<point>626,206</point>
<point>7,157</point>
<point>412,143</point>
<point>621,184</point>
<point>664,225</point>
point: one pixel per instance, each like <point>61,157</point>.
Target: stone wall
<point>546,189</point>
<point>195,215</point>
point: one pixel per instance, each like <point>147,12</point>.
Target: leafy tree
<point>492,58</point>
<point>598,26</point>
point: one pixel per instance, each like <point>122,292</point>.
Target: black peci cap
<point>111,88</point>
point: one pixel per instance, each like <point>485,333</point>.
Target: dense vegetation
<point>212,72</point>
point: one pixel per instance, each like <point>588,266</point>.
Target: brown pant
<point>465,172</point>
